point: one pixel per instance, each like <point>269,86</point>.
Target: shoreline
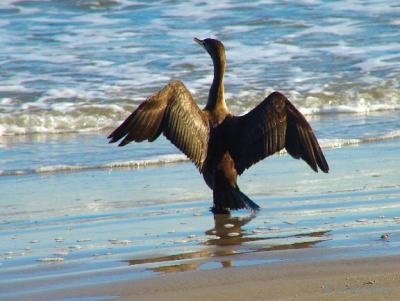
<point>85,220</point>
<point>366,279</point>
<point>94,235</point>
<point>357,279</point>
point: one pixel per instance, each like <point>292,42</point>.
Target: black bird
<point>221,145</point>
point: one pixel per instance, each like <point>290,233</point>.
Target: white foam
<point>309,2</point>
<point>269,52</point>
<point>154,161</point>
<point>395,22</point>
<point>96,19</point>
<point>346,109</point>
<point>53,57</point>
<point>4,87</point>
<point>50,115</point>
<point>7,3</point>
<point>122,242</point>
<point>159,160</point>
<point>336,27</point>
<point>65,93</point>
<point>186,9</point>
<point>337,142</point>
<point>4,23</point>
<point>51,259</point>
<point>366,7</point>
<point>378,63</point>
<point>238,28</point>
<point>62,117</point>
<point>7,101</point>
<point>327,143</point>
<point>392,134</point>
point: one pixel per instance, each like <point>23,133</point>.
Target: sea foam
<point>131,164</point>
<point>176,158</point>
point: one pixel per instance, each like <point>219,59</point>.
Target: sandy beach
<point>359,279</point>
<point>85,220</point>
<point>367,279</point>
<point>331,237</point>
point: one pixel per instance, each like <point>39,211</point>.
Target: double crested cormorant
<point>221,145</point>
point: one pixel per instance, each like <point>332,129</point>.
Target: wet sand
<point>101,235</point>
<point>374,278</point>
<point>366,279</point>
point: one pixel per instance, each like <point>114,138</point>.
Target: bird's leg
<point>219,210</point>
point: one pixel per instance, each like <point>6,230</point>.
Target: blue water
<point>81,67</point>
<point>84,65</point>
<point>71,71</point>
<point>66,230</point>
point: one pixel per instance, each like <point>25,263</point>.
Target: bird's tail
<point>226,198</point>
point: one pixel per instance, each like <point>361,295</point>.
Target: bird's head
<point>214,47</point>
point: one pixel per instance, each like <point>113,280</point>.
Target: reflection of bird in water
<point>226,246</point>
<point>223,249</point>
<point>228,229</point>
<point>221,145</point>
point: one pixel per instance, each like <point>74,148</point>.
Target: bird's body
<point>221,145</point>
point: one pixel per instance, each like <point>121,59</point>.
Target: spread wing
<point>271,126</point>
<point>173,112</point>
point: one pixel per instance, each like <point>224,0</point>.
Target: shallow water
<point>75,210</point>
<point>98,226</point>
<point>76,152</point>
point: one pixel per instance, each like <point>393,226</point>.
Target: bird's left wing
<point>271,126</point>
<point>173,112</point>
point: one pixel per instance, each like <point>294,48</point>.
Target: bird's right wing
<point>173,112</point>
<point>271,126</point>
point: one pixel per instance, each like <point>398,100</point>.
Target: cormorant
<point>221,145</point>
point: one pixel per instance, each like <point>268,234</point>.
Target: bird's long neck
<point>216,98</point>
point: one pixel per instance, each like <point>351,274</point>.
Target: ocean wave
<point>63,118</point>
<point>338,142</point>
<point>347,109</point>
<point>56,116</point>
<point>326,64</point>
<point>167,159</point>
<point>135,164</point>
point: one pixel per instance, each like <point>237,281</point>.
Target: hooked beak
<point>198,41</point>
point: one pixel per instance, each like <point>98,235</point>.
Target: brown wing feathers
<point>173,112</point>
<point>272,125</point>
<point>185,133</point>
<point>144,123</point>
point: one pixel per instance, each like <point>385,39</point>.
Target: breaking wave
<point>172,159</point>
<point>85,116</point>
<point>135,164</point>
